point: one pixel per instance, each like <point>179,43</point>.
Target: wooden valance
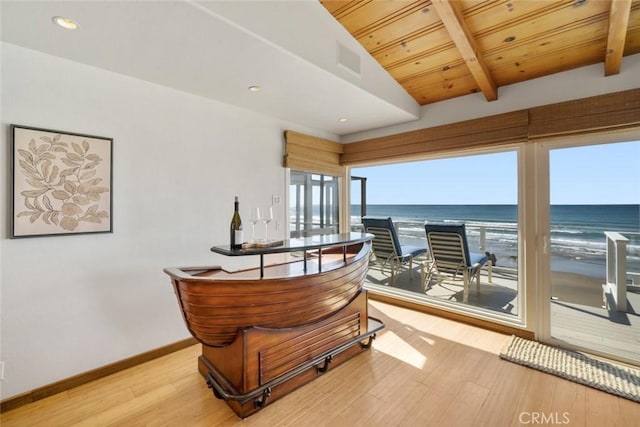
<point>493,130</point>
<point>312,154</point>
<point>619,110</point>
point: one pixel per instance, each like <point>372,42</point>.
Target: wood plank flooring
<point>422,371</point>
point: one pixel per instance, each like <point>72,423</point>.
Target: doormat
<point>619,380</point>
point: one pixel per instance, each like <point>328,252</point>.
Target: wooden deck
<point>500,296</point>
<point>423,371</point>
<point>599,328</point>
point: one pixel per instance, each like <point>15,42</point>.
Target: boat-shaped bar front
<point>268,330</point>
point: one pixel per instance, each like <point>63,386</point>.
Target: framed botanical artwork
<point>62,183</point>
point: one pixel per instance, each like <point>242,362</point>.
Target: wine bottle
<point>236,227</point>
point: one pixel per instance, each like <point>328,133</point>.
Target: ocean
<point>578,243</point>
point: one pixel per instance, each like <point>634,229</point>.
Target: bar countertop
<point>297,244</point>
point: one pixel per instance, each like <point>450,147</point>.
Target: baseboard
<point>473,321</point>
<point>68,383</point>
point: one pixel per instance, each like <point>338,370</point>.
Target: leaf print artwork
<point>62,183</point>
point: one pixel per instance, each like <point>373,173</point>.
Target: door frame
<point>542,214</point>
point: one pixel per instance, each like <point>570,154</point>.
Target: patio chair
<point>451,255</point>
<point>387,248</point>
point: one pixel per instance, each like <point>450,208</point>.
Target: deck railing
<point>473,230</point>
<point>618,279</point>
<point>617,268</point>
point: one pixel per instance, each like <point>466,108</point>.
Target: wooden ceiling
<point>442,49</point>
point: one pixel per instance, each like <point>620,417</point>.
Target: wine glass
<point>267,217</point>
<point>255,217</point>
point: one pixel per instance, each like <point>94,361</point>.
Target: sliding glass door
<point>591,246</point>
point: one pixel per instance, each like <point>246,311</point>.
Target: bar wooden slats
<point>257,346</point>
<point>215,309</point>
<point>261,355</point>
<point>283,356</point>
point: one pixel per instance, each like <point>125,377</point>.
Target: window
<point>480,191</point>
<point>313,204</point>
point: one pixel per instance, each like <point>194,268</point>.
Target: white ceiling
<point>217,49</point>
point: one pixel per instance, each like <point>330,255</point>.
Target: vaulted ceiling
<point>393,56</point>
<point>442,49</point>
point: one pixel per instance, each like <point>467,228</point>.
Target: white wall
<point>70,304</point>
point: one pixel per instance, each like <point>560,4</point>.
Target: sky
<point>600,174</point>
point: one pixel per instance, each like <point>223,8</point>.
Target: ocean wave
<point>574,244</point>
<point>577,232</point>
<point>566,231</point>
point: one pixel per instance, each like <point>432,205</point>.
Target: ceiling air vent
<point>349,59</point>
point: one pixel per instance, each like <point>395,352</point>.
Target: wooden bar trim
<point>469,320</point>
<point>86,377</point>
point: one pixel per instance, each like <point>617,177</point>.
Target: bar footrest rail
<point>223,390</point>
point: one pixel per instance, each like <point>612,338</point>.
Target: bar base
<point>263,365</point>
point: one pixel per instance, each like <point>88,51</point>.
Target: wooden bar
<point>268,330</point>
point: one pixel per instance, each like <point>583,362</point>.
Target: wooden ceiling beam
<point>454,23</point>
<point>618,23</point>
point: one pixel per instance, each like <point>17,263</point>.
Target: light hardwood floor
<point>422,371</point>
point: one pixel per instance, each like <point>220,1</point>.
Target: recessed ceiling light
<point>343,119</point>
<point>255,88</point>
<point>66,23</point>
